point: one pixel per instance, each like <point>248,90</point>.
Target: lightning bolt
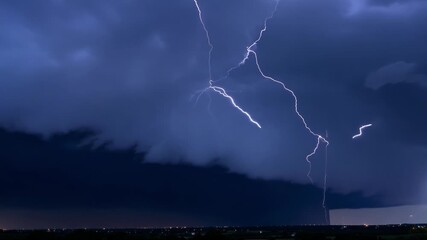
<point>361,130</point>
<point>296,109</point>
<point>325,178</point>
<point>250,51</point>
<point>217,89</point>
<point>222,92</point>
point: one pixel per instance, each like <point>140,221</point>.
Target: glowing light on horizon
<point>361,130</point>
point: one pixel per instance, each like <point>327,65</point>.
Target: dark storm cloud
<point>395,73</point>
<point>128,70</point>
<point>55,183</point>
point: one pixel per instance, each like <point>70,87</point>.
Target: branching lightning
<point>247,55</point>
<point>250,51</point>
<point>211,86</point>
<point>361,130</point>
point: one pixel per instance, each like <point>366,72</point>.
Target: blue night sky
<point>107,118</point>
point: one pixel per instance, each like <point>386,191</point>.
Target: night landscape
<point>213,119</point>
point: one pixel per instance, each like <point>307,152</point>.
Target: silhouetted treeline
<point>396,232</point>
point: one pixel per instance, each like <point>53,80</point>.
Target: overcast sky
<point>129,73</point>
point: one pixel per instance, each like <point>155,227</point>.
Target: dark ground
<point>398,232</point>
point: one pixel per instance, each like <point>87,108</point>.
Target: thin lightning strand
<point>307,159</point>
<point>217,89</point>
<point>325,177</point>
<point>261,33</point>
<point>361,130</point>
<point>211,47</point>
<point>318,136</point>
